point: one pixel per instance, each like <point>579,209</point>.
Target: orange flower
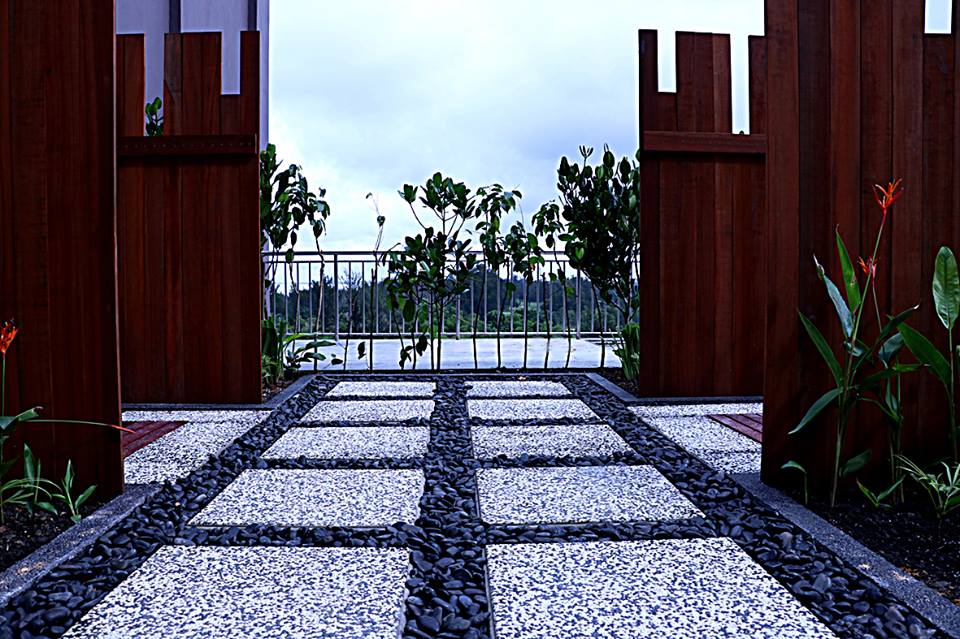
<point>885,197</point>
<point>7,332</point>
<point>869,267</point>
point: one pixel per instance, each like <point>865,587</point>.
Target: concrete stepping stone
<point>703,434</point>
<point>196,592</point>
<point>375,410</point>
<point>351,442</point>
<point>300,498</point>
<point>383,389</point>
<point>575,440</point>
<point>520,409</point>
<point>579,495</point>
<point>515,389</point>
<point>677,588</point>
<point>685,410</point>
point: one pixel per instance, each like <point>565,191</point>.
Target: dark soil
<point>616,376</point>
<point>270,390</point>
<point>23,533</point>
<point>909,536</point>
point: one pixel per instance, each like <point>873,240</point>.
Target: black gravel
<point>448,595</point>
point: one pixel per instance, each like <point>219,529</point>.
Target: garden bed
<point>23,533</point>
<point>910,537</point>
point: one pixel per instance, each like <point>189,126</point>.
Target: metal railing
<point>342,294</point>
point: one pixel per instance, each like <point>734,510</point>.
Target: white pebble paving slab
<point>703,434</point>
<point>676,588</point>
<point>732,462</point>
<point>183,450</point>
<point>351,442</point>
<point>579,495</point>
<point>515,389</point>
<point>529,409</point>
<point>383,389</point>
<point>374,410</point>
<point>206,416</point>
<point>574,440</point>
<point>193,592</point>
<point>685,410</point>
<point>305,498</point>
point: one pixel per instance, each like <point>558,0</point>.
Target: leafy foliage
<point>943,489</point>
<point>283,351</point>
<point>600,209</point>
<point>154,117</point>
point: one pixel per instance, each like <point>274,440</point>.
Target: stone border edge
<point>71,541</point>
<point>937,609</point>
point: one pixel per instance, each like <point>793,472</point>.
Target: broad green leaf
<point>816,409</point>
<point>822,347</point>
<point>849,275</point>
<point>855,463</point>
<point>85,495</point>
<point>843,313</point>
<point>946,287</point>
<point>926,353</point>
<point>890,348</point>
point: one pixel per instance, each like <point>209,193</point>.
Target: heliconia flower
<point>885,197</point>
<point>7,332</point>
<point>869,267</point>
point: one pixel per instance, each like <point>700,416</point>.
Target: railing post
<point>578,302</point>
<point>336,297</point>
<point>458,315</point>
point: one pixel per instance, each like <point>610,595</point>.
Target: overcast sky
<point>369,94</point>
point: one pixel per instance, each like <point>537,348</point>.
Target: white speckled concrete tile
<point>351,442</point>
<point>676,588</point>
<point>182,451</point>
<point>515,389</point>
<point>383,389</point>
<point>685,410</point>
<point>703,434</point>
<point>374,410</point>
<point>574,440</point>
<point>194,592</point>
<point>529,409</point>
<point>579,495</point>
<point>307,498</point>
<point>205,416</point>
<point>731,462</point>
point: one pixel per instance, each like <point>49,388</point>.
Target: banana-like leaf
<point>816,409</point>
<point>855,463</point>
<point>946,287</point>
<point>843,313</point>
<point>794,465</point>
<point>822,347</point>
<point>926,353</point>
<point>850,283</point>
<point>890,348</point>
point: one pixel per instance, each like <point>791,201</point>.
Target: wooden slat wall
<point>858,94</point>
<point>58,277</point>
<point>188,205</point>
<point>703,220</point>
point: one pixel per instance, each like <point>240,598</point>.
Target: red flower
<point>885,197</point>
<point>869,267</point>
<point>7,332</point>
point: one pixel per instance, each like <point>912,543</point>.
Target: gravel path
<point>387,508</point>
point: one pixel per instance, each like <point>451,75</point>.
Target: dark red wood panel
<point>59,275</point>
<point>857,95</point>
<point>702,218</point>
<point>145,433</point>
<point>750,425</point>
<point>189,234</point>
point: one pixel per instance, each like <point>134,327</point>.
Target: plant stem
<point>951,395</point>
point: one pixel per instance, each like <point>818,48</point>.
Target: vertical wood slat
<point>195,225</point>
<point>59,276</point>
<point>700,226</point>
<point>130,85</point>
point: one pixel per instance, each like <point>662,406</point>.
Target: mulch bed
<point>910,537</point>
<point>23,533</point>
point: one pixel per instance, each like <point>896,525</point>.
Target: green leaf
<point>855,463</point>
<point>409,309</point>
<point>946,287</point>
<point>843,313</point>
<point>816,409</point>
<point>85,495</point>
<point>849,275</point>
<point>794,465</point>
<point>890,349</point>
<point>926,353</point>
<point>823,348</point>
